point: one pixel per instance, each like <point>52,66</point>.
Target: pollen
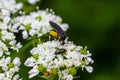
<point>53,33</point>
<point>50,72</point>
<point>45,73</point>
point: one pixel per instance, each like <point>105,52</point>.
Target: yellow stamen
<point>45,73</point>
<point>50,72</point>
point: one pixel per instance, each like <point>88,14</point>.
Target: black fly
<point>58,33</point>
<point>61,34</point>
<point>60,51</point>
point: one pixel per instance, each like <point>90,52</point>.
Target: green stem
<point>76,77</point>
<point>0,70</point>
<point>42,77</point>
<point>25,46</point>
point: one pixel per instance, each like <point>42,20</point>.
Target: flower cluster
<point>9,6</point>
<point>7,35</point>
<point>53,56</point>
<point>37,23</point>
<point>44,60</point>
<point>9,68</point>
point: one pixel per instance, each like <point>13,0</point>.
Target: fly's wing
<point>58,29</point>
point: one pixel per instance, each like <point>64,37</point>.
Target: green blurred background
<point>95,23</point>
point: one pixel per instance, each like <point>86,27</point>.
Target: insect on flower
<point>57,32</point>
<point>59,51</point>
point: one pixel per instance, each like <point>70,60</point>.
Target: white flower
<point>3,48</point>
<point>69,77</point>
<point>33,1</point>
<point>64,26</point>
<point>9,69</point>
<point>24,34</point>
<point>45,54</point>
<point>32,32</point>
<point>2,75</point>
<point>1,52</point>
<point>6,19</point>
<point>10,5</point>
<point>7,35</point>
<point>4,63</point>
<point>3,26</point>
<point>10,73</point>
<point>14,45</point>
<point>30,62</point>
<point>16,77</point>
<point>63,75</point>
<point>8,53</point>
<point>89,69</point>
<point>13,28</point>
<point>37,23</point>
<point>16,62</point>
<point>33,72</point>
<point>4,12</point>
